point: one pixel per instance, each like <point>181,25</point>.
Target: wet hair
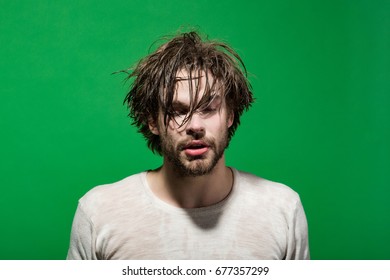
<point>154,82</point>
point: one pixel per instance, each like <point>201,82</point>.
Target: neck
<point>191,191</point>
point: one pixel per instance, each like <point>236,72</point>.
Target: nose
<point>195,126</point>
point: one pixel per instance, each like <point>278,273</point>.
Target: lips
<point>196,148</point>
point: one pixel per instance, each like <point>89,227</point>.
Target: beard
<point>186,165</point>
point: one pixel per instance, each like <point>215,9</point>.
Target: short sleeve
<point>83,237</point>
<point>298,240</point>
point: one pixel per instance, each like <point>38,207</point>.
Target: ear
<point>153,127</point>
<point>230,119</point>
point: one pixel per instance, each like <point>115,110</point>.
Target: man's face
<point>194,148</point>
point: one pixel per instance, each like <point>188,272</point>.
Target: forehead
<point>193,86</point>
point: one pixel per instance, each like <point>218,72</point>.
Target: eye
<point>180,112</point>
<point>212,107</point>
<point>208,110</point>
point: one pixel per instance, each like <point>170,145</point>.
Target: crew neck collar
<point>157,202</point>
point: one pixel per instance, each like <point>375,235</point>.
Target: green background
<point>321,76</point>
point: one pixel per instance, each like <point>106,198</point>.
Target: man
<point>186,99</point>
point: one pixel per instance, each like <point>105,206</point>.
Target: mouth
<point>196,148</point>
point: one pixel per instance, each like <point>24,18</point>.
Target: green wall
<point>321,76</point>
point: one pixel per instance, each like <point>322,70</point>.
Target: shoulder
<point>113,194</point>
<point>265,190</point>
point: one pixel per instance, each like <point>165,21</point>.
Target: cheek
<point>174,126</point>
<point>220,124</point>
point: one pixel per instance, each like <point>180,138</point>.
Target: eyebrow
<point>179,104</point>
<point>187,78</point>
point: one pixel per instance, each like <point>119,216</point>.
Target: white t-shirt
<point>259,219</point>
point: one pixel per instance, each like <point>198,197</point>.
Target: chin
<point>197,167</point>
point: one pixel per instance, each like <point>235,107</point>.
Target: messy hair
<point>154,81</point>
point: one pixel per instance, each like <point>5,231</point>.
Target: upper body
<point>186,99</point>
<point>259,219</point>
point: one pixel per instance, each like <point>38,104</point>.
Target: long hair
<point>154,81</point>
